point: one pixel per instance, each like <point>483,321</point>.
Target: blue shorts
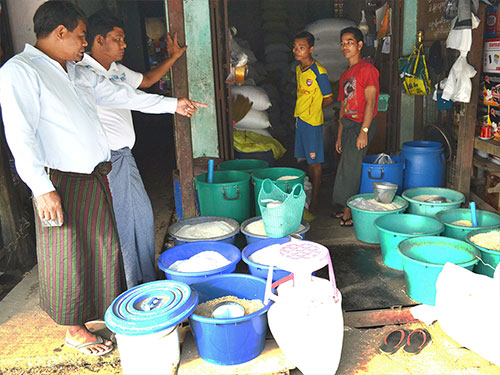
<point>309,142</point>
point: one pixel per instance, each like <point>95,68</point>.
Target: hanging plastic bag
<point>458,86</point>
<point>383,159</point>
<point>414,74</point>
<point>281,212</point>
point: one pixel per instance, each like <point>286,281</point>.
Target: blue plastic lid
<point>151,307</point>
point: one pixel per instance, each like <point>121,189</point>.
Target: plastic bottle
<point>363,26</point>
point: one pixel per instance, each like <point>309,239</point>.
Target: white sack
<point>255,94</point>
<point>468,309</point>
<point>330,26</point>
<point>277,47</point>
<point>277,56</point>
<point>254,120</point>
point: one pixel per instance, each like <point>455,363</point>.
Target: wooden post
<point>182,125</point>
<point>466,131</point>
<point>17,250</point>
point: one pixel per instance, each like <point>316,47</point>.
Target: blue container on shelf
<point>371,172</point>
<point>261,270</point>
<point>233,340</point>
<point>425,164</point>
<point>189,249</point>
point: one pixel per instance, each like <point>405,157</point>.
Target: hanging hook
<point>420,37</point>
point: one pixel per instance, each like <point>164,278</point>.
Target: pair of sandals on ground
<point>412,341</point>
<point>344,222</point>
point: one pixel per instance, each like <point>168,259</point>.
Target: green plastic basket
<point>485,220</point>
<point>282,220</point>
<point>418,207</point>
<point>258,176</point>
<point>364,220</point>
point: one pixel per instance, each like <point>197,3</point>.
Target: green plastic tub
<point>424,258</point>
<point>273,174</point>
<point>485,220</point>
<point>395,228</point>
<point>228,195</point>
<point>489,258</point>
<point>430,209</point>
<point>243,165</point>
<point>364,220</point>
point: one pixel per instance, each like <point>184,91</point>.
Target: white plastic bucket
<point>146,321</point>
<point>157,353</point>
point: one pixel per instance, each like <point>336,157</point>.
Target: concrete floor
<point>32,344</point>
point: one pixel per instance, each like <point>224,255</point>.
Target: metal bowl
<point>384,191</point>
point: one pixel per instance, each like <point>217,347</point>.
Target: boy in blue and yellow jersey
<point>313,93</point>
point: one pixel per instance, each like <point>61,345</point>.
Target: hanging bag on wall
<point>414,74</point>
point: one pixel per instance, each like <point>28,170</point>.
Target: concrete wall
<point>21,21</point>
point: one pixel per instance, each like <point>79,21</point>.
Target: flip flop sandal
<point>337,215</point>
<point>394,340</point>
<point>346,222</point>
<point>84,347</point>
<point>417,340</point>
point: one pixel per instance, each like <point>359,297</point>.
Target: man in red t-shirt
<point>358,94</point>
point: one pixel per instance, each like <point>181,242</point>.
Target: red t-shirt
<point>352,89</point>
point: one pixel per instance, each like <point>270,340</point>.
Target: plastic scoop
<point>210,176</point>
<point>473,213</point>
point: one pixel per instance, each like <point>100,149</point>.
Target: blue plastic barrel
<point>381,172</point>
<point>425,164</point>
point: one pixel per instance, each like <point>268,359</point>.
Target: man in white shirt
<point>61,152</point>
<point>133,211</point>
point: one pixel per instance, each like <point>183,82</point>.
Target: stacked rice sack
<point>326,47</point>
<point>277,50</point>
<point>256,119</point>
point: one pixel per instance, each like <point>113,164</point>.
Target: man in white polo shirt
<point>134,214</point>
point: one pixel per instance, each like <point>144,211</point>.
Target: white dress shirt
<point>117,123</point>
<point>50,116</point>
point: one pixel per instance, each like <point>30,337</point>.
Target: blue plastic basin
<point>261,270</point>
<point>233,340</point>
<point>187,250</point>
<point>229,238</point>
<point>252,238</point>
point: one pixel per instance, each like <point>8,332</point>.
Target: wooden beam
<point>466,131</point>
<point>380,317</point>
<point>394,115</point>
<point>182,125</point>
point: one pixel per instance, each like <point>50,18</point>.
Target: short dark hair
<point>53,13</point>
<point>307,36</point>
<point>101,23</point>
<point>358,35</point>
